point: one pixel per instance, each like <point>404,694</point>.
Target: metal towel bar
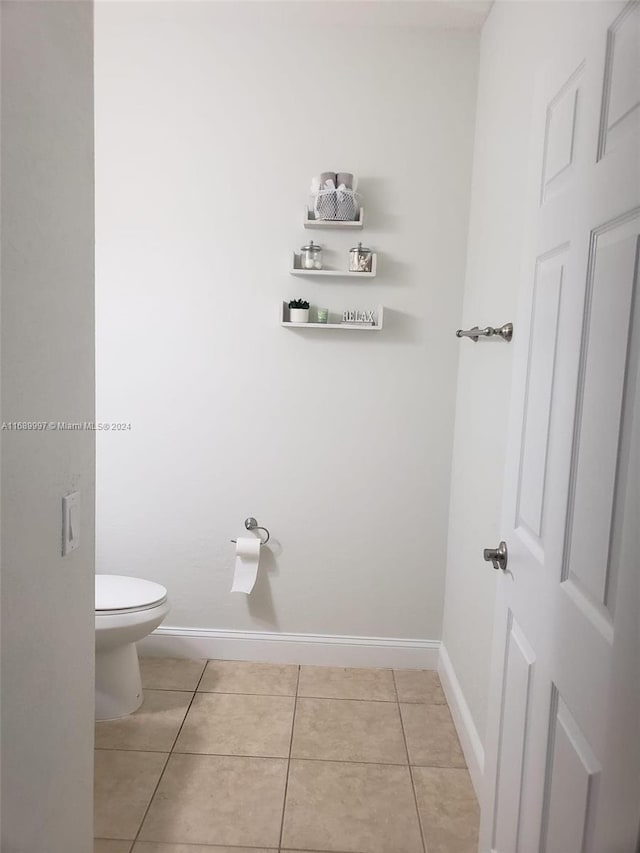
<point>505,332</point>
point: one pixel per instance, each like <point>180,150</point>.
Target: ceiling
<point>437,14</point>
<point>433,14</point>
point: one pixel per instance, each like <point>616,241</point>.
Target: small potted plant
<point>298,311</point>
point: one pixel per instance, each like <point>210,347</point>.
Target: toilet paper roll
<point>247,560</point>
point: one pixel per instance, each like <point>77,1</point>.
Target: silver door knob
<point>498,556</point>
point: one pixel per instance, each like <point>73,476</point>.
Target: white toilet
<point>127,609</point>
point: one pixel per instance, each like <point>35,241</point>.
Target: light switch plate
<point>70,523</point>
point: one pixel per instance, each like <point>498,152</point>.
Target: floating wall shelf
<point>296,270</point>
<point>353,327</point>
<point>346,224</point>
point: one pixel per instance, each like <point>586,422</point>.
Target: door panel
<point>621,100</point>
<point>560,136</point>
<point>547,291</point>
<point>571,783</point>
<point>605,347</point>
<point>518,671</point>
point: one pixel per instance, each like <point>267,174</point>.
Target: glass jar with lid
<point>311,256</point>
<point>360,259</point>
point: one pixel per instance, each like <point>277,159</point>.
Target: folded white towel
<point>328,181</point>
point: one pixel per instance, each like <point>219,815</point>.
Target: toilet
<point>127,609</point>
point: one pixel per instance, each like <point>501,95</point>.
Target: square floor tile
<point>431,736</point>
<point>124,785</point>
<point>153,847</point>
<point>330,682</point>
<point>103,845</point>
<point>419,685</point>
<point>171,673</point>
<point>230,676</point>
<point>153,727</point>
<point>448,809</point>
<point>238,724</point>
<point>348,730</point>
<point>214,799</point>
<point>364,808</point>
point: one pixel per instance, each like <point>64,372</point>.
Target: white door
<point>563,745</point>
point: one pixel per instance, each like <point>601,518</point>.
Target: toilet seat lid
<point>118,592</point>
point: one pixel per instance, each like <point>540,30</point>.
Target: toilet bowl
<point>127,609</point>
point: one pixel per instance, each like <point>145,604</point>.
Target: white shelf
<point>353,327</point>
<point>344,224</point>
<point>296,270</point>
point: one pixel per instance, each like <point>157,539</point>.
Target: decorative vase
<point>298,315</point>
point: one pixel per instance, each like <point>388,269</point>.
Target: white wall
<point>209,127</point>
<point>47,374</point>
<point>516,40</point>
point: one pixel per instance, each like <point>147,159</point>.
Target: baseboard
<point>467,732</point>
<point>272,647</point>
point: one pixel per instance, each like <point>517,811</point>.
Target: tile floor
<point>228,757</point>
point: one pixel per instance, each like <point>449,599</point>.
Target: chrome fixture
<point>252,524</point>
<point>498,556</point>
<point>505,332</point>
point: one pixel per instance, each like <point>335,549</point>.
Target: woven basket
<point>335,205</point>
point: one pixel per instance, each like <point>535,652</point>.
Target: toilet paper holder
<point>251,524</point>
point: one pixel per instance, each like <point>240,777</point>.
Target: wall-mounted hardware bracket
<point>251,524</point>
<point>505,332</point>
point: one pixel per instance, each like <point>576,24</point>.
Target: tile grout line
<point>351,699</point>
<point>316,760</point>
<point>233,846</point>
<point>406,746</point>
<point>164,690</point>
<point>170,753</point>
<point>312,850</point>
<point>279,758</point>
<point>286,783</point>
<point>291,695</point>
